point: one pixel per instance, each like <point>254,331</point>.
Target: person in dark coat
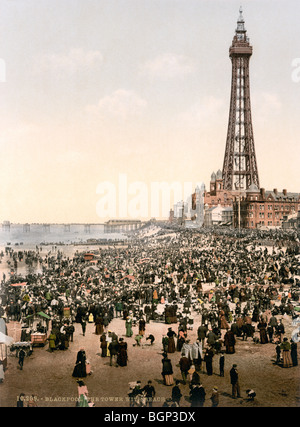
<point>222,363</point>
<point>103,345</point>
<point>202,332</point>
<point>105,321</point>
<point>235,329</point>
<point>21,358</point>
<point>208,357</point>
<point>99,325</point>
<point>262,326</point>
<point>270,332</point>
<point>149,391</point>
<point>167,370</point>
<point>211,338</point>
<point>122,357</point>
<point>195,379</point>
<point>294,354</point>
<point>234,379</point>
<point>83,326</point>
<point>184,364</point>
<point>71,330</point>
<point>229,342</point>
<point>255,314</point>
<point>80,366</point>
<point>171,344</point>
<point>176,394</point>
<point>197,396</point>
<point>113,350</point>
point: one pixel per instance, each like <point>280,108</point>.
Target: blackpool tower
<point>240,168</point>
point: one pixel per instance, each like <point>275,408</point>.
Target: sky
<point>103,99</point>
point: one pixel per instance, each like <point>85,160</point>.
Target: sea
<point>56,234</point>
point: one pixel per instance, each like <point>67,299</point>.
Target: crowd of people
<point>239,287</point>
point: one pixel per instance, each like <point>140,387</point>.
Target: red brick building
<point>216,194</point>
<point>252,208</point>
<point>260,208</point>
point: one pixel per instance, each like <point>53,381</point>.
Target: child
<point>138,340</point>
<point>214,397</point>
<point>191,371</point>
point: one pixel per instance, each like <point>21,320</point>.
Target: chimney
<point>263,192</point>
<point>275,191</point>
<point>284,192</point>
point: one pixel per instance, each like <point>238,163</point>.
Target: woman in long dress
<point>294,354</point>
<point>122,357</point>
<point>128,325</point>
<point>262,326</point>
<point>286,353</point>
<point>80,366</point>
<point>229,342</point>
<point>142,327</point>
<point>223,321</point>
<point>103,345</point>
<point>99,326</point>
<point>167,370</point>
<point>171,345</point>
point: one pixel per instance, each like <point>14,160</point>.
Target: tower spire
<point>240,30</point>
<point>239,167</point>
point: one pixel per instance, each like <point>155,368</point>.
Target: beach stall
<point>89,256</point>
<point>39,325</point>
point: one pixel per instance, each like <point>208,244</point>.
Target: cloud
<point>74,60</point>
<point>168,66</point>
<point>15,132</point>
<point>203,113</point>
<point>121,103</point>
<point>264,104</point>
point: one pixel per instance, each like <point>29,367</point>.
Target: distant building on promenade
<point>190,212</point>
<point>6,226</point>
<point>218,216</point>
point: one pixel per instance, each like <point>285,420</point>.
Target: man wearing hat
<point>234,379</point>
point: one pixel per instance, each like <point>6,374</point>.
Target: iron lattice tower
<point>240,168</point>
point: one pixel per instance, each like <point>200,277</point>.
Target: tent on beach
<point>5,342</point>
